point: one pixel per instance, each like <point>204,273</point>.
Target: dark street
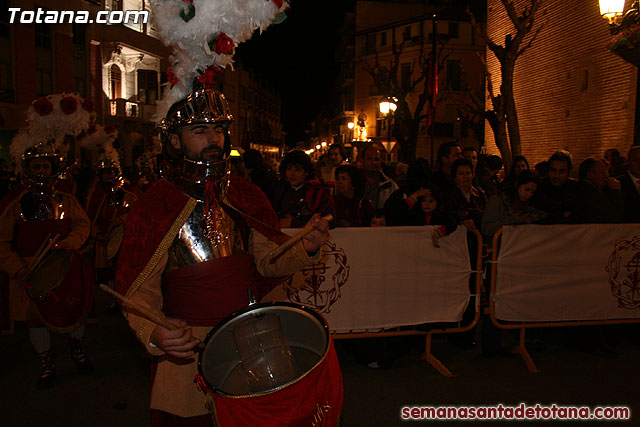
<point>117,392</point>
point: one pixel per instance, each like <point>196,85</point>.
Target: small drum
<point>114,241</point>
<point>267,353</point>
<point>62,289</point>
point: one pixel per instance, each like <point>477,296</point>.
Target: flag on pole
<point>433,76</point>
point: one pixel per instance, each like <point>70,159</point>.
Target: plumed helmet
<point>203,106</point>
<point>99,139</point>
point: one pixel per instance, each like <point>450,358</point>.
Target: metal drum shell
<point>309,332</point>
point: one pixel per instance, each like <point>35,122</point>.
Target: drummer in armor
<point>30,213</point>
<point>194,244</point>
<point>109,200</point>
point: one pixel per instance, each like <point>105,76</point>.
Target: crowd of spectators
<point>462,188</point>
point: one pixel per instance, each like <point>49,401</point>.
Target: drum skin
<point>313,398</point>
<point>114,241</point>
<point>64,299</point>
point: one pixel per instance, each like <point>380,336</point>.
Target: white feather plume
<point>238,19</point>
<point>98,140</point>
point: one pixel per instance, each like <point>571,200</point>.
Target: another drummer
<point>109,200</point>
<point>194,244</point>
<point>32,211</point>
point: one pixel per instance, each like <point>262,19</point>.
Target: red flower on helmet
<point>87,104</point>
<point>68,105</point>
<point>278,3</point>
<point>109,129</point>
<point>171,77</point>
<point>92,129</point>
<point>43,106</point>
<point>209,75</point>
<point>224,44</point>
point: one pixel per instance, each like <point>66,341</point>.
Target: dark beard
<point>211,154</point>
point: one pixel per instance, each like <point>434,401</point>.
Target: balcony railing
<point>122,108</point>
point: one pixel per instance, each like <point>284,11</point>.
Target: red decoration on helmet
<point>224,44</point>
<point>43,106</point>
<point>68,105</point>
<point>87,104</point>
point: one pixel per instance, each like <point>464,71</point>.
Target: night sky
<point>298,57</point>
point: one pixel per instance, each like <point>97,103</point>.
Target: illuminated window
<point>116,82</point>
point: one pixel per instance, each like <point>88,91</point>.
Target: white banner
<point>568,272</point>
<point>372,278</point>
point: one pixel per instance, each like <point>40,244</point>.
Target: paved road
<point>116,394</point>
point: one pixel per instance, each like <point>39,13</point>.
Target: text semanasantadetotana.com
<point>520,412</point>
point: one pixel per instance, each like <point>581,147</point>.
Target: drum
<point>268,353</point>
<point>61,288</point>
<point>114,241</point>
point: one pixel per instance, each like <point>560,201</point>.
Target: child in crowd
<point>378,219</point>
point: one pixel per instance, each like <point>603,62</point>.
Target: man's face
<point>598,175</point>
<point>558,173</point>
<point>200,142</point>
<point>41,167</point>
<point>472,156</point>
<point>296,175</point>
<point>334,156</point>
<point>372,161</point>
<point>634,163</point>
<point>455,153</point>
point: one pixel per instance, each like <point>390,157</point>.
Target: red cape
<point>160,212</point>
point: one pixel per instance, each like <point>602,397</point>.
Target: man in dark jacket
<point>599,196</point>
<point>630,182</point>
<point>557,193</point>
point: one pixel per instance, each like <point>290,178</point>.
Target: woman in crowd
<point>467,203</point>
<point>352,210</point>
<point>520,164</point>
<point>512,206</point>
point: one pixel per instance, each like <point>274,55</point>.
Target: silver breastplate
<point>204,237</point>
<point>40,209</point>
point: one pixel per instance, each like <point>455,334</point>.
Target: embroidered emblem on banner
<point>624,272</point>
<point>318,286</point>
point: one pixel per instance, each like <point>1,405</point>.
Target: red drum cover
<point>62,305</point>
<point>313,400</point>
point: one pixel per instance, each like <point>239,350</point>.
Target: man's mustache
<point>210,152</point>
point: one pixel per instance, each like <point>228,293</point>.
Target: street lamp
<point>624,30</point>
<point>611,9</point>
<point>387,107</point>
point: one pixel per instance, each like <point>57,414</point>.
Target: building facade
<point>570,91</point>
<point>121,67</point>
<point>379,27</point>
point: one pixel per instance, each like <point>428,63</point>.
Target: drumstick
<point>36,260</point>
<point>274,254</point>
<point>40,249</point>
<point>147,312</point>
